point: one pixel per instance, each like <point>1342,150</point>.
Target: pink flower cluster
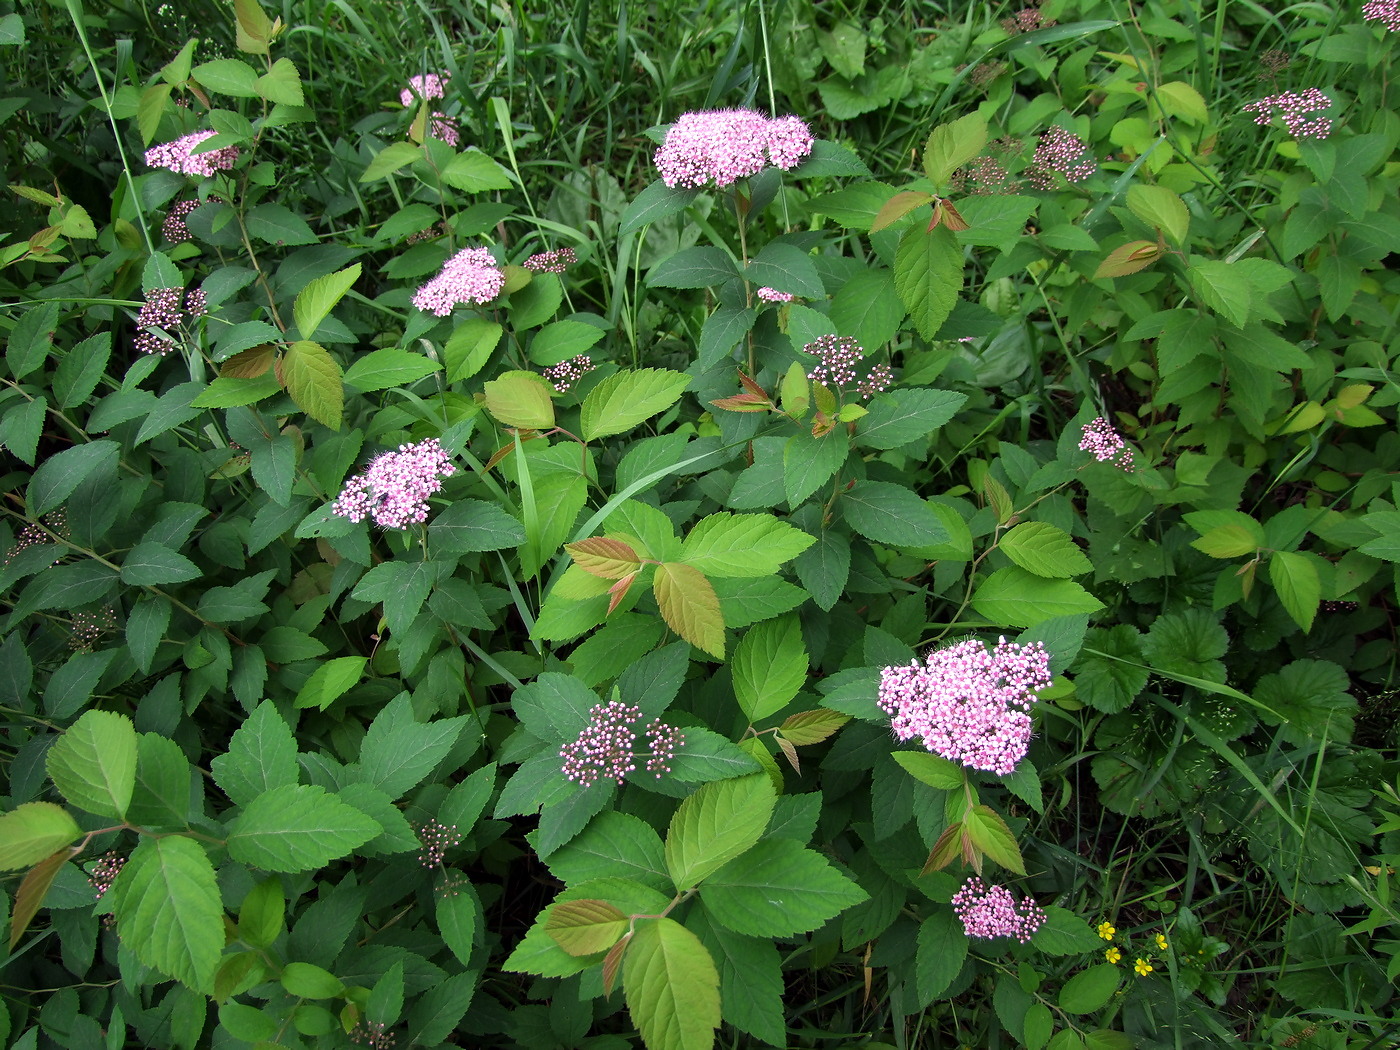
<point>837,357</point>
<point>394,490</point>
<point>991,911</point>
<point>556,261</point>
<point>772,295</point>
<point>969,703</point>
<point>470,276</point>
<point>1294,107</point>
<point>428,86</point>
<point>1386,12</point>
<point>565,374</point>
<point>1026,20</point>
<point>161,310</point>
<point>1060,151</point>
<point>179,156</point>
<point>444,128</point>
<point>104,872</point>
<point>1105,444</point>
<point>604,747</point>
<point>719,147</point>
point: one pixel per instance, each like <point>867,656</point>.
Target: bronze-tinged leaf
<point>249,364</point>
<point>618,591</point>
<point>752,387</point>
<point>822,425</point>
<point>1129,258</point>
<point>689,606</point>
<point>743,403</point>
<point>30,895</point>
<point>312,377</point>
<point>944,850</point>
<point>946,214</point>
<point>585,927</point>
<point>608,558</point>
<point>812,727</point>
<point>898,206</point>
<point>500,454</point>
<point>789,752</point>
<point>612,964</point>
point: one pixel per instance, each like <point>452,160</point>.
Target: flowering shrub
<point>423,635</point>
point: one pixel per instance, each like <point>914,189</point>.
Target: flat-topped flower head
<point>179,156</point>
<point>426,86</point>
<point>721,146</point>
<point>557,261</point>
<point>444,129</point>
<point>837,357</point>
<point>166,308</point>
<point>394,489</point>
<point>1296,109</point>
<point>991,911</point>
<point>1105,444</point>
<point>969,703</point>
<point>471,276</point>
<point>603,748</point>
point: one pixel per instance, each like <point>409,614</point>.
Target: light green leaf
<point>928,272</point>
<point>952,145</point>
<point>330,681</point>
<point>33,831</point>
<point>1295,579</point>
<point>585,927</point>
<point>563,340</point>
<point>1161,208</point>
<point>474,172</point>
<point>168,909</point>
<point>744,545</point>
<point>295,828</point>
<point>628,398</point>
<point>307,981</point>
<point>689,606</point>
<point>719,822</point>
<point>1016,597</point>
<point>1043,549</point>
<point>228,76</point>
<point>769,667</point>
<point>469,347</point>
<point>1090,990</point>
<point>671,986</point>
<point>1222,287</point>
<point>612,845</point>
<point>313,379</point>
<point>262,755</point>
<point>390,159</point>
<point>930,769</point>
<point>282,83</point>
<point>778,889</point>
<point>990,834</point>
<point>521,399</point>
<point>891,514</point>
<point>93,764</point>
<point>319,297</point>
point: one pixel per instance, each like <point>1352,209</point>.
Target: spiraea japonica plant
<point>899,548</point>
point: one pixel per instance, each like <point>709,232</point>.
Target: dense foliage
<point>771,524</point>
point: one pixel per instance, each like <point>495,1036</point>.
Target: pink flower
<point>1294,107</point>
<point>604,746</point>
<point>179,157</point>
<point>444,128</point>
<point>162,309</point>
<point>394,490</point>
<point>969,703</point>
<point>556,261</point>
<point>427,87</point>
<point>1105,445</point>
<point>719,147</point>
<point>772,295</point>
<point>565,374</point>
<point>1386,12</point>
<point>989,912</point>
<point>470,276</point>
<point>1060,151</point>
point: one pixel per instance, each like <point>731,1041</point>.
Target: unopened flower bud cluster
<point>166,309</point>
<point>837,357</point>
<point>604,748</point>
<point>566,373</point>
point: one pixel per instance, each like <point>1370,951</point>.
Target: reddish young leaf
<point>30,895</point>
<point>618,591</point>
<point>585,927</point>
<point>812,727</point>
<point>944,850</point>
<point>608,558</point>
<point>612,964</point>
<point>1129,258</point>
<point>898,206</point>
<point>689,606</point>
<point>789,752</point>
<point>249,364</point>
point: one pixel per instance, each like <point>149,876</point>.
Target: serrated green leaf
<point>521,399</point>
<point>1016,597</point>
<point>952,145</point>
<point>769,667</point>
<point>693,268</point>
<point>295,828</point>
<point>148,564</point>
<point>562,341</point>
<point>458,915</point>
<point>671,986</point>
<point>1161,209</point>
<point>778,889</point>
<point>330,681</point>
<point>1064,932</point>
<point>1090,990</point>
<point>93,764</point>
<point>227,76</point>
<point>58,475</point>
<point>585,927</point>
<point>398,752</point>
<point>168,910</point>
<point>627,398</point>
<point>788,269</point>
<point>261,756</point>
<point>474,172</point>
<point>655,202</point>
<point>719,822</point>
<point>942,948</point>
<point>613,845</point>
<point>279,225</point>
<point>743,545</point>
<point>390,159</point>
<point>891,514</point>
<point>689,606</point>
<point>313,379</point>
<point>319,296</point>
<point>809,462</point>
<point>989,833</point>
<point>1296,582</point>
<point>928,272</point>
<point>1041,548</point>
<point>897,417</point>
<point>930,769</point>
<point>33,831</point>
<point>469,347</point>
<point>282,83</point>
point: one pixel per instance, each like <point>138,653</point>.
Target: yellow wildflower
<point>1143,967</point>
<point>1107,930</point>
<point>1161,943</point>
<point>1112,955</point>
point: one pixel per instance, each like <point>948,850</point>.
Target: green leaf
<point>891,514</point>
<point>31,339</point>
<point>898,417</point>
<point>952,145</point>
<point>238,602</point>
<point>313,379</point>
<point>20,428</point>
<point>295,828</point>
<point>1189,642</point>
<point>330,681</point>
<point>627,398</point>
<point>788,269</point>
<point>403,587</point>
<point>750,979</point>
<point>390,159</point>
<point>458,915</point>
<point>743,545</point>
<point>671,986</point>
<point>397,752</point>
<point>1089,990</point>
<point>262,756</point>
<point>277,224</point>
<point>469,347</point>
<point>693,268</point>
<point>778,889</point>
<point>1296,582</point>
<point>941,953</point>
<point>437,1012</point>
<point>1222,287</point>
<point>11,35</point>
<point>689,606</point>
<point>1227,541</point>
<point>705,757</point>
<point>522,400</point>
<point>59,474</point>
<point>719,822</point>
<point>1179,99</point>
<point>168,909</point>
<point>612,845</point>
<point>562,341</point>
<point>474,172</point>
<point>554,707</point>
<point>654,203</point>
<point>282,83</point>
<point>33,831</point>
<point>769,667</point>
<point>930,769</point>
<point>1043,549</point>
<point>228,76</point>
<point>319,296</point>
<point>307,981</point>
<point>1064,933</point>
<point>928,272</point>
<point>148,564</point>
<point>990,834</point>
<point>176,406</point>
<point>585,927</point>
<point>809,462</point>
<point>471,525</point>
<point>1160,208</point>
<point>162,795</point>
<point>93,764</point>
<point>1016,597</point>
<point>1038,1025</point>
